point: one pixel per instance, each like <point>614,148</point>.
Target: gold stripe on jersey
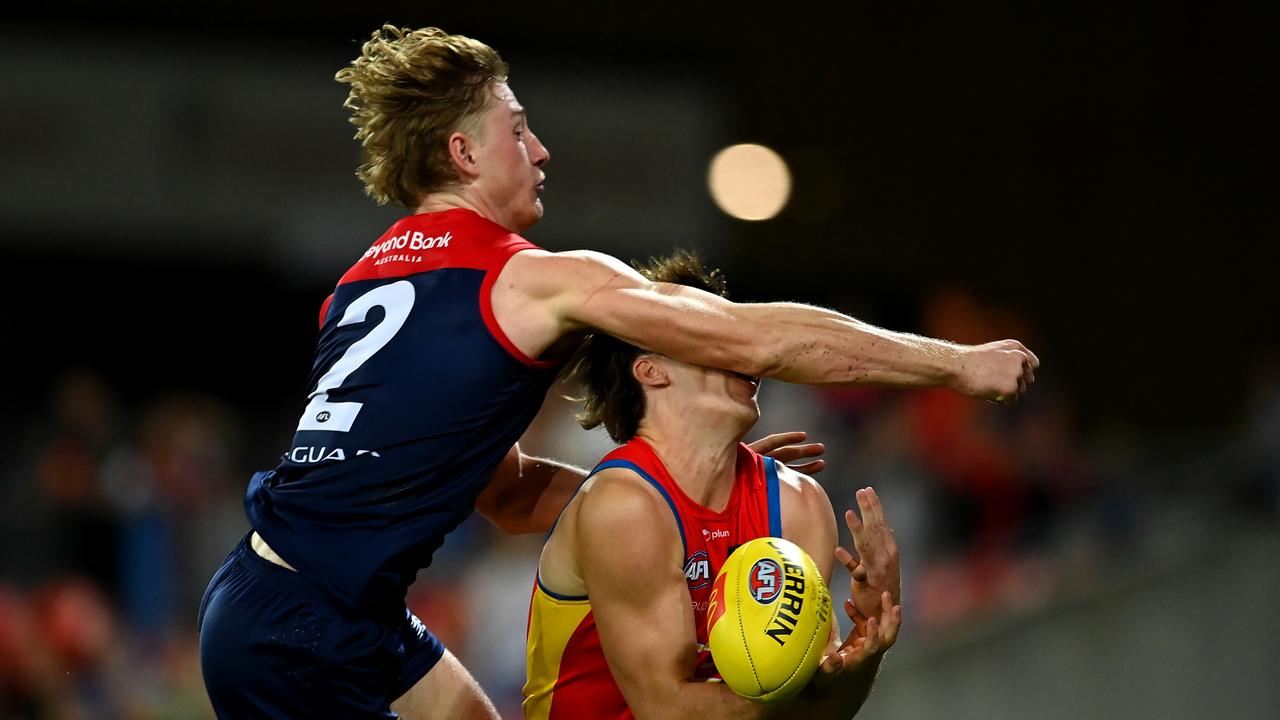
<point>552,622</point>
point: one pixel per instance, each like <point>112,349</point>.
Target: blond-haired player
<point>434,354</point>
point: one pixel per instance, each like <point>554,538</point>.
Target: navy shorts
<point>272,645</point>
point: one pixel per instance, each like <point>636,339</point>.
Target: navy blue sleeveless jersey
<point>416,396</point>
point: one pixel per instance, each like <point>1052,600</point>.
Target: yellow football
<point>769,619</point>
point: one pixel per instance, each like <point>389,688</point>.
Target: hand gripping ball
<point>769,620</point>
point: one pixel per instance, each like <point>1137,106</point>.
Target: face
<point>509,158</point>
<point>717,393</point>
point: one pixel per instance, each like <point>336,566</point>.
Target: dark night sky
<point>1105,172</point>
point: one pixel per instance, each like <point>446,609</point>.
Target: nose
<point>540,154</point>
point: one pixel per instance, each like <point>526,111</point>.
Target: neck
<point>699,452</point>
<point>461,198</point>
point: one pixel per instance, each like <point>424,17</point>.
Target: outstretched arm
<point>787,341</point>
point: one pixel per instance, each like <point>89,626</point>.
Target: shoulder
<point>620,494</point>
<point>616,502</point>
<point>807,517</point>
<point>804,502</point>
<point>544,273</point>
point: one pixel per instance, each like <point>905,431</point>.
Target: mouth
<point>753,381</point>
<point>541,184</point>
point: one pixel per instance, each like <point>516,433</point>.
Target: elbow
<point>501,515</point>
<point>508,523</point>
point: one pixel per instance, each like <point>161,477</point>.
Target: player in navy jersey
<point>435,352</point>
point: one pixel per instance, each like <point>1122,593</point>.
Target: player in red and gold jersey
<point>617,622</point>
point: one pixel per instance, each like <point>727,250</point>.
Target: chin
<point>747,414</point>
<point>527,219</point>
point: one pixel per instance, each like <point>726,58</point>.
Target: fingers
<point>859,573</point>
<point>1012,386</point>
<point>892,620</point>
<point>852,611</point>
<point>879,633</point>
<point>860,542</point>
<point>896,615</point>
<point>1029,364</point>
<point>845,559</point>
<point>870,637</point>
<point>769,443</point>
<point>832,663</point>
<point>1016,345</point>
<point>790,452</point>
<point>877,510</point>
<point>855,524</point>
<point>858,646</point>
<point>871,520</point>
<point>810,468</point>
<point>887,541</point>
<point>1035,361</point>
<point>871,642</point>
<point>787,448</point>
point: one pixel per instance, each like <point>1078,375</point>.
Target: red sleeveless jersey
<point>568,677</point>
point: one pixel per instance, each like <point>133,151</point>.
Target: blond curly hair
<point>410,90</point>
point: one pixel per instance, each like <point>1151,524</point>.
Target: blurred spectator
<point>163,487</point>
<point>78,531</point>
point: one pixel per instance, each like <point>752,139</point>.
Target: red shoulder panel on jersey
<point>456,238</point>
<point>324,308</point>
<point>491,322</point>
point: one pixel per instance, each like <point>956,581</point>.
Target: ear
<point>461,154</point>
<point>649,372</point>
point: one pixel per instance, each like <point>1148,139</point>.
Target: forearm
<point>558,481</point>
<point>842,701</point>
<point>715,701</point>
<point>526,493</point>
<point>703,700</point>
<point>788,341</point>
<point>812,345</point>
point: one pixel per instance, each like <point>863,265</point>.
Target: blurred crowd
<point>114,515</point>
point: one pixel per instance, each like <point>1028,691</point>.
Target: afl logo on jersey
<point>765,582</point>
<point>323,416</point>
<point>697,570</point>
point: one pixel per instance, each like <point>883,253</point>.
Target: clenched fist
<point>998,371</point>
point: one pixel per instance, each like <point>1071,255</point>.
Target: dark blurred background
<point>178,198</point>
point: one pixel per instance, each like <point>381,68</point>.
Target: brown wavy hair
<point>410,90</point>
<point>601,366</point>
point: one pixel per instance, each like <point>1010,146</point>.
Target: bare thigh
<point>448,691</point>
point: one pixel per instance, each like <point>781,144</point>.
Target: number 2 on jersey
<point>396,300</point>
